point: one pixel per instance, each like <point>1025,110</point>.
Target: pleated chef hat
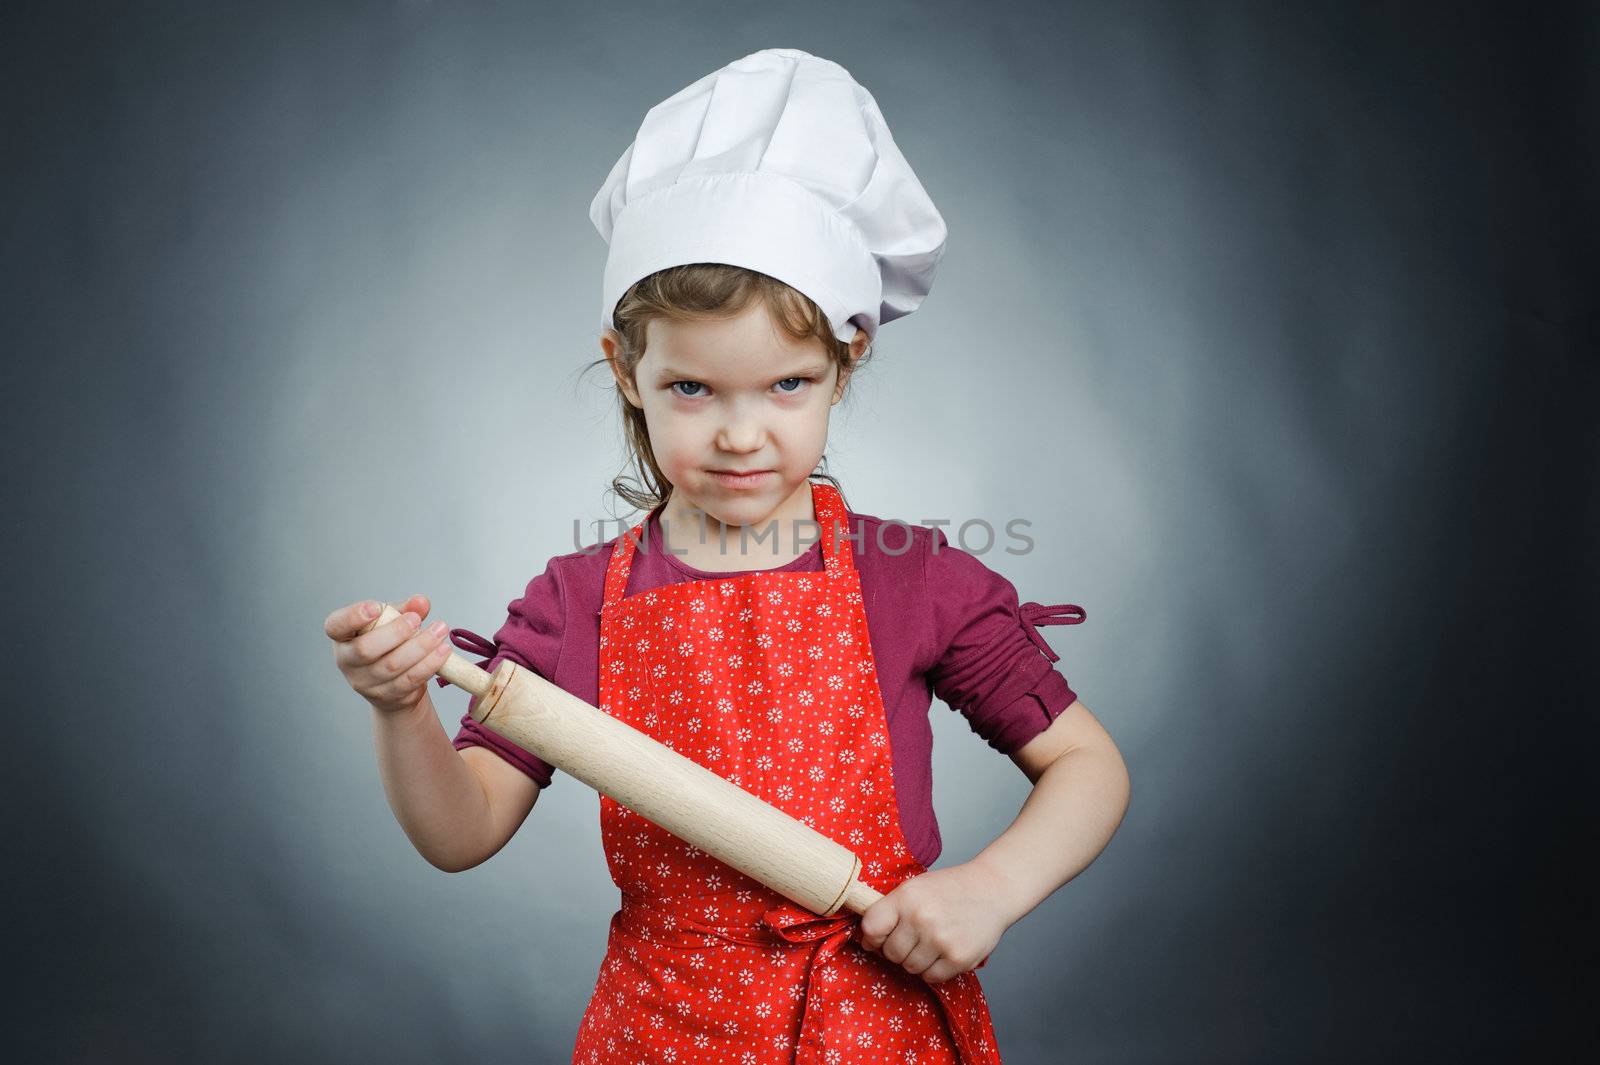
<point>781,163</point>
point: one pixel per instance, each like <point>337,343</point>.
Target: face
<point>734,395</point>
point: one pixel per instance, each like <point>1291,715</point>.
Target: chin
<point>741,508</point>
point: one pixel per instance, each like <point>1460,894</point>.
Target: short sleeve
<point>988,660</point>
<point>531,637</point>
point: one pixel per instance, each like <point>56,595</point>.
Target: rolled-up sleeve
<point>530,637</point>
<point>988,660</point>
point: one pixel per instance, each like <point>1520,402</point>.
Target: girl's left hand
<point>939,924</point>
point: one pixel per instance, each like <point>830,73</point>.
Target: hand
<point>939,924</point>
<point>390,666</point>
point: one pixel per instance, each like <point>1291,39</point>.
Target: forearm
<point>437,798</point>
<point>1066,821</point>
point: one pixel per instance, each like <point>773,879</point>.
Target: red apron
<point>768,680</point>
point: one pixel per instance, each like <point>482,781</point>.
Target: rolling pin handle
<point>455,669</point>
<point>859,896</point>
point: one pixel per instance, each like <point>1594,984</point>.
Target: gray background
<point>1268,317</point>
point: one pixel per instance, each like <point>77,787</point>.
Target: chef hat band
<point>780,163</point>
<point>763,221</point>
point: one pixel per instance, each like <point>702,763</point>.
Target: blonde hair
<point>704,292</point>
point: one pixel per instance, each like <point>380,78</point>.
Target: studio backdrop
<point>1266,320</point>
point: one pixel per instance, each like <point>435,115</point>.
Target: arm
<point>947,921</point>
<point>1080,794</point>
<point>457,808</point>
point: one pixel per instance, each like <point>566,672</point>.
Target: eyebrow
<point>801,371</point>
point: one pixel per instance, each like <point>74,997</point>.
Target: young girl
<point>762,226</point>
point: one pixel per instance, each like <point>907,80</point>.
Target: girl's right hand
<point>390,666</point>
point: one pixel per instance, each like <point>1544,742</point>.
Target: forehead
<point>749,341</point>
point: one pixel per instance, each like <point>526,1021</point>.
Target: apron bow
<point>798,925</point>
<point>790,922</point>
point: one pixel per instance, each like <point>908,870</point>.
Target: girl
<point>762,226</point>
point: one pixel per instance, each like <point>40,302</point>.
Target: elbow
<point>1116,782</point>
<point>453,864</point>
<point>451,859</point>
<point>1125,788</point>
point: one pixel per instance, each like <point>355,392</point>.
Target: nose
<point>741,431</point>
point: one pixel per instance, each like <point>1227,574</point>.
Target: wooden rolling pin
<point>661,785</point>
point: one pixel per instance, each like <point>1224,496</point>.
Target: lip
<point>741,480</point>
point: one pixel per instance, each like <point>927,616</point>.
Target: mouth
<point>737,479</point>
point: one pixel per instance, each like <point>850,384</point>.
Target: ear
<point>611,347</point>
<point>858,345</point>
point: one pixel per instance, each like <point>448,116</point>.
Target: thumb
<point>879,920</point>
<point>417,604</point>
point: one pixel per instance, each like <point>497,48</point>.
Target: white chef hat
<point>781,163</point>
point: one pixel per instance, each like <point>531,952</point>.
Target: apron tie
<point>467,640</point>
<point>1060,614</point>
<point>787,921</point>
<point>798,925</point>
<point>954,996</point>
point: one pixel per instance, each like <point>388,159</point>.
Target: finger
<point>412,663</point>
<point>901,942</point>
<point>415,678</point>
<point>345,622</point>
<point>940,971</point>
<point>920,958</point>
<point>370,647</point>
<point>881,918</point>
<point>414,642</point>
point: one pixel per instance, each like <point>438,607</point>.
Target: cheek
<point>671,438</point>
<point>804,440</point>
<point>816,422</point>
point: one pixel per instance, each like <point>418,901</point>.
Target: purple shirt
<point>940,622</point>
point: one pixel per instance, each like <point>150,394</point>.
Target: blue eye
<point>799,383</point>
